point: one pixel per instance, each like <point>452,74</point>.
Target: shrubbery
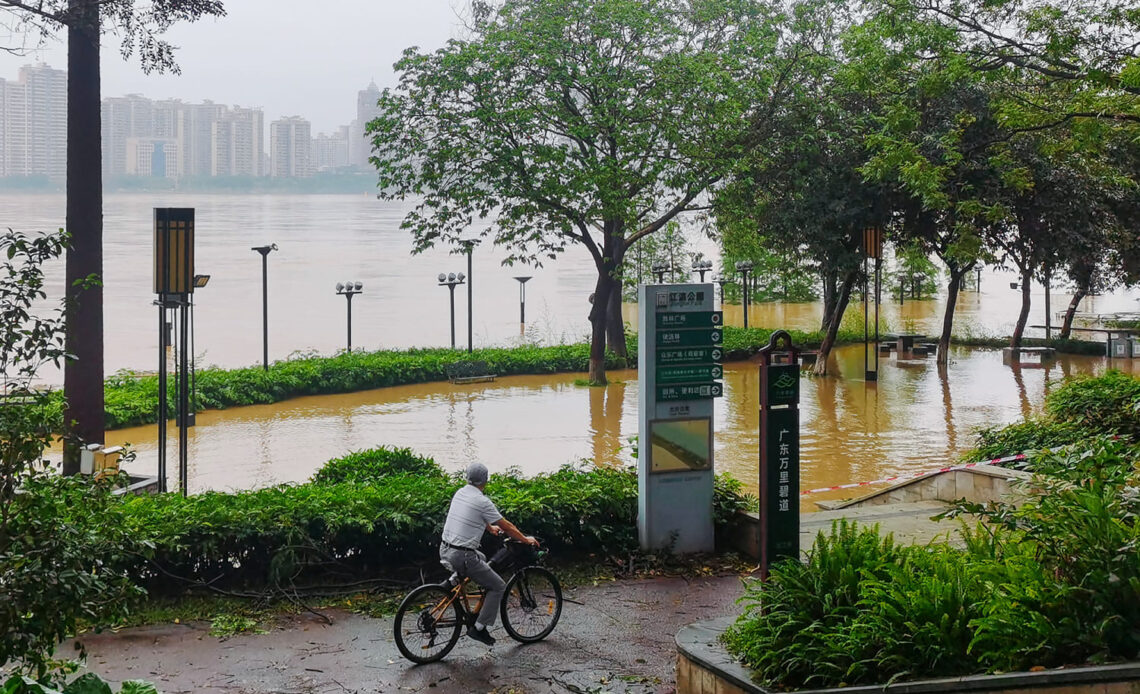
<point>367,514</point>
<point>1053,582</point>
<point>1084,406</point>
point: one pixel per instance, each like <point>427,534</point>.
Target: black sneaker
<point>481,635</point>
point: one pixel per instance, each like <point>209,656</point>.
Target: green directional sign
<point>685,374</point>
<point>689,391</point>
<point>690,319</point>
<point>689,355</point>
<point>689,338</point>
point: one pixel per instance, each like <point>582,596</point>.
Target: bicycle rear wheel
<point>532,604</point>
<point>428,624</point>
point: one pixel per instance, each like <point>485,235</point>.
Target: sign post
<point>679,353</point>
<point>779,451</point>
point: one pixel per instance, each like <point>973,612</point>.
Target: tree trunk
<point>615,324</point>
<point>832,328</point>
<point>952,291</point>
<point>1071,311</point>
<point>1023,317</point>
<point>608,283</point>
<point>83,373</point>
<point>830,280</point>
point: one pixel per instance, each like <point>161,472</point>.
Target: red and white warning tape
<point>995,461</point>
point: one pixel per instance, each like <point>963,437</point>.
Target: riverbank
<point>131,398</point>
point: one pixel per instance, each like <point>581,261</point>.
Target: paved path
<point>615,637</point>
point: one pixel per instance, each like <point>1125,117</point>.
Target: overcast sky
<point>289,57</point>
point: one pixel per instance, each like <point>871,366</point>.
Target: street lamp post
<point>450,280</point>
<point>191,416</point>
<point>744,267</point>
<point>702,266</point>
<point>469,246</point>
<point>721,280</point>
<point>522,303</point>
<point>660,269</point>
<point>349,290</point>
<point>264,251</point>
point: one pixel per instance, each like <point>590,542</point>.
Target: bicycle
<point>432,617</point>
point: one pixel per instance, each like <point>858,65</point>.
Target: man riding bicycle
<point>471,513</point>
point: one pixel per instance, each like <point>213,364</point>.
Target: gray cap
<point>477,474</point>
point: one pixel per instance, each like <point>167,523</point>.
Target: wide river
<point>913,419</point>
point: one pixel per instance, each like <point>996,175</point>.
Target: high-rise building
<point>290,148</point>
<point>359,148</point>
<point>33,129</point>
<point>237,142</point>
<point>124,117</point>
<point>152,156</point>
<point>330,152</point>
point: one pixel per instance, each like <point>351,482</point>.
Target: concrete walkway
<point>614,637</point>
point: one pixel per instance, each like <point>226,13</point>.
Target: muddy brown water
<point>915,418</point>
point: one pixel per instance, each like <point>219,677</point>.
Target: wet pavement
<point>613,637</point>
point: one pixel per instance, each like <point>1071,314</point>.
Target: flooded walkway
<point>913,419</point>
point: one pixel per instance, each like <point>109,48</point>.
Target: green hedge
<point>372,513</point>
<point>132,399</point>
<point>1054,582</point>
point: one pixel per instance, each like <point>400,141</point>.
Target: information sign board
<point>701,337</point>
<point>687,374</point>
<point>689,391</point>
<point>691,355</point>
<point>690,319</point>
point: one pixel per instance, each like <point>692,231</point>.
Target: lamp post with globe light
<point>450,281</point>
<point>348,290</point>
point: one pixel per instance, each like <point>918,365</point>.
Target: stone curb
<point>700,644</point>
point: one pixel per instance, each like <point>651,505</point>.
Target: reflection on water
<point>915,417</point>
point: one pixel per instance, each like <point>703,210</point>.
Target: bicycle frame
<point>460,593</point>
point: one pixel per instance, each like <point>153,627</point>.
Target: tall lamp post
<point>191,416</point>
<point>450,280</point>
<point>522,303</point>
<point>660,269</point>
<point>264,251</point>
<point>720,280</point>
<point>702,266</point>
<point>469,246</point>
<point>744,267</point>
<point>349,290</point>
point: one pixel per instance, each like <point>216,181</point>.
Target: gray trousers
<point>473,564</point>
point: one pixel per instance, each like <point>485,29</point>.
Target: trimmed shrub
<point>373,465</point>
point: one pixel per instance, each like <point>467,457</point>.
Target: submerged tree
<point>585,123</point>
<point>140,26</point>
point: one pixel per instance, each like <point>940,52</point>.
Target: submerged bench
<point>469,371</point>
<point>1010,356</point>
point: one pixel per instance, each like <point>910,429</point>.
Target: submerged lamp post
<point>744,267</point>
<point>450,280</point>
<point>702,266</point>
<point>349,290</point>
<point>522,303</point>
<point>264,251</point>
<point>720,280</point>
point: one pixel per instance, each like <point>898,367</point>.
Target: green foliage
<point>1053,582</point>
<point>226,625</point>
<point>370,519</point>
<point>1082,407</point>
<point>373,465</point>
<point>89,683</point>
<point>62,547</point>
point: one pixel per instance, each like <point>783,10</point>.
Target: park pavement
<point>616,636</point>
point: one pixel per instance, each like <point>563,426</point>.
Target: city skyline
<point>261,55</point>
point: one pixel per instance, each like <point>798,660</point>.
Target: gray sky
<point>289,57</point>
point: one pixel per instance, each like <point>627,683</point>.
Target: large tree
<point>140,26</point>
<point>589,123</point>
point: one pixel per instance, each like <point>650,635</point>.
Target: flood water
<point>325,239</point>
<point>915,418</point>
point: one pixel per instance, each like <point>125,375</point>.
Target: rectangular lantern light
<point>173,250</point>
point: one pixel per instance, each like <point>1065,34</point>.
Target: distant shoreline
<point>319,184</point>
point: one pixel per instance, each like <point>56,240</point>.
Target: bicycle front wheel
<point>532,604</point>
<point>428,624</point>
